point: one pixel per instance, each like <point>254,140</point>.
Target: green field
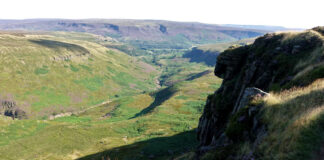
<point>50,74</point>
<point>129,128</point>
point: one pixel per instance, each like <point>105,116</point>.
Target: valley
<point>145,89</point>
<point>80,96</point>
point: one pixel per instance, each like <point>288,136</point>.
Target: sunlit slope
<point>46,74</point>
<point>135,127</point>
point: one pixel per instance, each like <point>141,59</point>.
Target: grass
<point>220,47</point>
<point>48,97</point>
<point>157,133</point>
<point>174,68</point>
<point>75,82</point>
<point>295,120</point>
<point>73,71</point>
<point>39,71</point>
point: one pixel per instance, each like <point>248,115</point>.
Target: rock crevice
<point>232,113</point>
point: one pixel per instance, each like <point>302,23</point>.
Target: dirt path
<point>52,117</point>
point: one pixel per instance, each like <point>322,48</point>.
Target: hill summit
<point>146,34</point>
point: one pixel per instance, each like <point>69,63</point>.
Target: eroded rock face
<point>10,109</point>
<point>231,114</point>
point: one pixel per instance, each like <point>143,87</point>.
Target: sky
<point>287,13</point>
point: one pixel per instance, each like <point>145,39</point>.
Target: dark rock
<point>10,109</point>
<point>163,28</point>
<point>151,156</point>
<point>242,118</point>
<point>248,95</point>
<point>8,104</point>
<point>107,115</point>
<point>15,113</point>
<point>232,114</point>
<point>295,49</point>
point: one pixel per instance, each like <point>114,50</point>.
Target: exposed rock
<point>232,113</point>
<point>248,95</point>
<point>16,113</point>
<point>10,109</point>
<point>8,104</point>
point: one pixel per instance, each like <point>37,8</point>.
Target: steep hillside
<point>242,121</point>
<point>44,74</point>
<point>141,33</point>
<point>207,53</point>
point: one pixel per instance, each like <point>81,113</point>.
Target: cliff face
<point>272,63</point>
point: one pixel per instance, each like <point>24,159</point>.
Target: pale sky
<point>288,13</point>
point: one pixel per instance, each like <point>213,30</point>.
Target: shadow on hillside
<point>201,56</point>
<point>198,75</point>
<point>166,93</point>
<point>160,97</point>
<point>161,147</point>
<point>57,45</point>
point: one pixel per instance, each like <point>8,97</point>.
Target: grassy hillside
<point>143,126</point>
<point>220,47</point>
<point>74,74</point>
<point>49,74</point>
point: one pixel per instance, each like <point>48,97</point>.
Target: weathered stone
<point>10,109</point>
<point>247,72</point>
<point>248,95</point>
<point>15,113</point>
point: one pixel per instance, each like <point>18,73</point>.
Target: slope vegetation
<point>106,103</point>
<point>138,127</point>
<point>240,121</point>
<point>43,74</point>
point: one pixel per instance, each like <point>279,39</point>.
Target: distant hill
<point>262,27</point>
<point>141,33</point>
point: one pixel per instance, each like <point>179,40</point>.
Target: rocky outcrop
<point>10,109</point>
<point>232,113</point>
